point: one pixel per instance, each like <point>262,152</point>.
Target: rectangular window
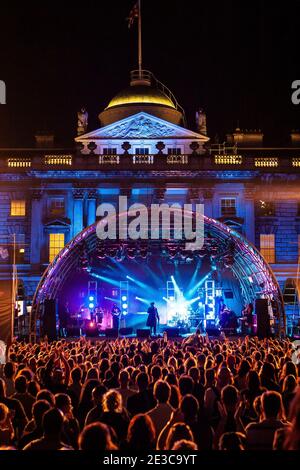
<point>18,208</point>
<point>142,151</point>
<point>267,247</point>
<point>109,151</point>
<point>174,151</point>
<point>228,207</point>
<point>57,206</point>
<point>56,243</point>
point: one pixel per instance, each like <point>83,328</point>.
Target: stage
<point>190,289</point>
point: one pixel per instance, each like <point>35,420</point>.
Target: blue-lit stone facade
<point>148,159</point>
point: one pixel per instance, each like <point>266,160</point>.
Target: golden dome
<point>141,94</point>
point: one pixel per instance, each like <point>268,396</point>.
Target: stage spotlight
<point>124,306</point>
<point>91,298</point>
<point>92,324</point>
<point>124,312</point>
<point>124,298</point>
<point>91,305</point>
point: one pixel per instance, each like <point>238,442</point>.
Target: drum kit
<point>190,319</point>
<point>88,318</point>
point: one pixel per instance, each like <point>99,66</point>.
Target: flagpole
<point>140,40</point>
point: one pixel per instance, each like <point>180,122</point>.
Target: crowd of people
<point>145,395</point>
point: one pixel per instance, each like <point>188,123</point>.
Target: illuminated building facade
<point>144,150</point>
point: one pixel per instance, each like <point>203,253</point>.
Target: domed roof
<point>145,93</point>
<point>141,94</point>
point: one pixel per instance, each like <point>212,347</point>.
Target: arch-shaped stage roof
<point>226,248</point>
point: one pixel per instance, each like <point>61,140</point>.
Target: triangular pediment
<point>141,126</point>
<point>57,222</point>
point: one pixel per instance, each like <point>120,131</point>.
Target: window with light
<point>57,206</point>
<point>267,247</point>
<point>228,207</point>
<point>56,244</point>
<point>18,208</point>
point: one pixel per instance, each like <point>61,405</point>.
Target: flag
<point>134,13</point>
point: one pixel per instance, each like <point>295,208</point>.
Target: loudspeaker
<point>143,333</point>
<point>262,318</point>
<point>126,331</point>
<point>49,319</point>
<point>73,331</point>
<point>111,332</point>
<point>172,332</point>
<point>92,332</point>
<point>213,332</point>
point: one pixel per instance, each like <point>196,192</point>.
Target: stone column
<point>36,229</point>
<point>207,201</point>
<point>249,194</point>
<point>194,197</point>
<point>78,195</point>
<point>159,195</point>
<point>91,206</point>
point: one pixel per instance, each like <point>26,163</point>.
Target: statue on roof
<point>82,123</point>
<point>201,121</point>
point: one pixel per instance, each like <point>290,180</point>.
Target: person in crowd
<point>23,396</point>
<point>16,409</point>
<point>234,441</point>
<point>178,432</point>
<point>74,388</point>
<point>241,379</point>
<point>124,389</point>
<point>260,436</point>
<point>230,413</point>
<point>185,445</point>
<point>6,428</point>
<point>53,422</point>
<point>96,437</point>
<point>38,410</point>
<point>143,400</point>
<point>268,377</point>
<point>141,434</point>
<point>161,413</point>
<point>8,376</point>
<point>95,414</point>
<point>70,426</point>
<point>288,392</point>
<point>114,415</point>
<point>85,401</point>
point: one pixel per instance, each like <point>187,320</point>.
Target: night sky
<point>236,59</point>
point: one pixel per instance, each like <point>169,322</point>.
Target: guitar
<point>116,312</point>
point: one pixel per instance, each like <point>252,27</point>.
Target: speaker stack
<point>143,333</point>
<point>262,318</point>
<point>49,319</point>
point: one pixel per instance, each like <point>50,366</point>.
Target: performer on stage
<point>116,316</point>
<point>153,318</point>
<point>63,316</point>
<point>248,318</point>
<point>98,315</point>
